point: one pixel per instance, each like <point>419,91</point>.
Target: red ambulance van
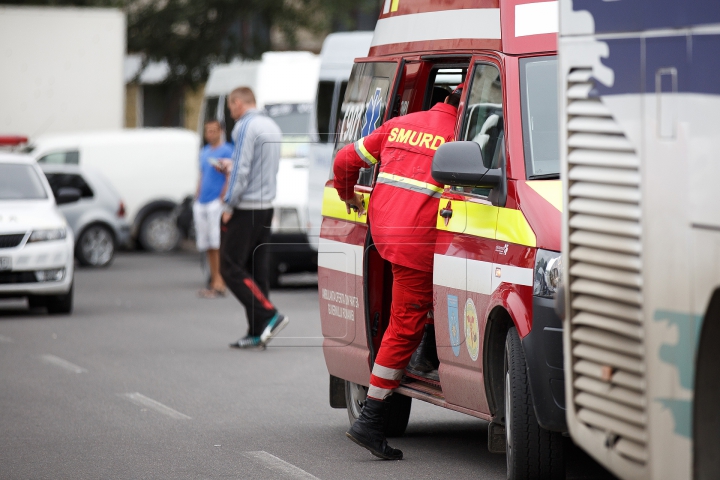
<point>497,259</point>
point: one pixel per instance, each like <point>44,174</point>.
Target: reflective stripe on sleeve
<point>387,373</point>
<point>363,153</point>
<point>409,184</point>
<point>378,393</point>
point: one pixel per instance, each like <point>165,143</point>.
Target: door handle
<point>446,213</point>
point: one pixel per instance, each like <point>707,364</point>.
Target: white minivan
<point>153,169</point>
<point>338,52</point>
<point>284,84</point>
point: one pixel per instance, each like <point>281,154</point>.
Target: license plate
<point>5,263</point>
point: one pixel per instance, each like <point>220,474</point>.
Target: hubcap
<point>358,395</point>
<point>97,245</point>
<point>162,233</point>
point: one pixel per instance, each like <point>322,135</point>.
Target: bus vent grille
<point>605,290</point>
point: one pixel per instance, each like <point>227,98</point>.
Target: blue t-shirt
<point>212,181</point>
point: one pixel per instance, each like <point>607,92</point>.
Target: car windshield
<point>292,118</point>
<point>539,100</point>
<point>20,182</point>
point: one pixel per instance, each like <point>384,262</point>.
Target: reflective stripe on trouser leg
<point>412,300</point>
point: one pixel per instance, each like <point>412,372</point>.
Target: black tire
<point>532,452</point>
<point>159,232</point>
<point>95,246</point>
<point>273,273</point>
<point>60,304</point>
<point>398,416</point>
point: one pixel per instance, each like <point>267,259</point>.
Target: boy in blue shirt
<point>208,206</point>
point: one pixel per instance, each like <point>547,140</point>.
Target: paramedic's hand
<point>226,216</point>
<point>356,203</point>
<point>224,166</point>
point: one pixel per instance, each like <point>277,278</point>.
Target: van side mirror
<point>460,164</point>
<point>67,195</point>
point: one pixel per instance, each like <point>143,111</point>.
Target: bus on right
<point>640,148</point>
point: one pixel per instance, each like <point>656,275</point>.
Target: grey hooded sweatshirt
<point>256,158</point>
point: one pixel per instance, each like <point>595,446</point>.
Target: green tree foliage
<point>192,35</point>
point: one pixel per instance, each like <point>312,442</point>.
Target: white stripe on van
<point>341,257</point>
<point>476,276</point>
<point>469,23</point>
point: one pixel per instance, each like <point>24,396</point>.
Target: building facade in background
<point>62,69</point>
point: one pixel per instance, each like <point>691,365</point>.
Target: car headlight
<point>47,235</point>
<point>548,272</point>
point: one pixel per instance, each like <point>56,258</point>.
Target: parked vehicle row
<point>36,243</point>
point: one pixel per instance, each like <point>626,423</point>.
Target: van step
<point>423,386</point>
<point>412,376</point>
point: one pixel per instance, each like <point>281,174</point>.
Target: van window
<point>483,117</point>
<point>69,180</point>
<point>324,111</point>
<point>211,113</point>
<point>70,157</point>
<point>539,102</point>
<point>363,109</point>
<point>441,83</point>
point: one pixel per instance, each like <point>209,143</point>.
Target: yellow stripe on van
<point>481,220</point>
<point>513,227</point>
<point>487,221</point>
<point>333,207</point>
<point>550,190</point>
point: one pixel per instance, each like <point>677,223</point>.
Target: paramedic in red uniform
<point>402,218</point>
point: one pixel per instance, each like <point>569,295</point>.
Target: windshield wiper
<point>547,176</point>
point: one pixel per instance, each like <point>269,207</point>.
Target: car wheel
<point>60,304</point>
<point>159,232</point>
<point>532,452</point>
<point>96,246</point>
<point>398,417</point>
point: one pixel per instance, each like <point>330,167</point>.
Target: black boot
<point>368,431</point>
<point>424,361</point>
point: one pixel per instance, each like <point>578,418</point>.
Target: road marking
<point>143,401</point>
<point>280,466</point>
<point>59,362</point>
<point>4,339</point>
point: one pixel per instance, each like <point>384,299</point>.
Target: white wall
<point>62,69</point>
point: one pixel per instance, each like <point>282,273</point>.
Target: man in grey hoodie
<point>247,213</point>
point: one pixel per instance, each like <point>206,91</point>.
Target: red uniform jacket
<point>404,207</point>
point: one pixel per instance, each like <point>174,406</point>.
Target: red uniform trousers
<point>412,300</point>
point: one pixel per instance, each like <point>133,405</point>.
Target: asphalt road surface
<point>139,382</point>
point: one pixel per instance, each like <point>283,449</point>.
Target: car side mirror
<point>67,195</point>
<point>460,164</point>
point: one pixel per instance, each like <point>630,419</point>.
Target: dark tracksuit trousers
<point>244,264</point>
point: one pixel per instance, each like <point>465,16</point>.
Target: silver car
<point>97,219</point>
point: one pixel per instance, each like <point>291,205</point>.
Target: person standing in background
<point>247,214</point>
<point>208,206</point>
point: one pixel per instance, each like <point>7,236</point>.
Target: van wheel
<point>532,452</point>
<point>399,414</point>
<point>60,304</point>
<point>96,246</point>
<point>158,232</point>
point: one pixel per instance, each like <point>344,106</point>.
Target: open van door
<point>343,236</point>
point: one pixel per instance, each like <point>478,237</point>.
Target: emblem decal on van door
<point>372,114</point>
<point>454,324</point>
<point>472,331</point>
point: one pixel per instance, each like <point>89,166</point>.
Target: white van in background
<point>152,169</point>
<point>284,84</point>
<point>338,52</point>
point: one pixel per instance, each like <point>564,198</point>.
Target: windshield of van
<point>20,182</point>
<point>292,118</point>
<point>539,102</point>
